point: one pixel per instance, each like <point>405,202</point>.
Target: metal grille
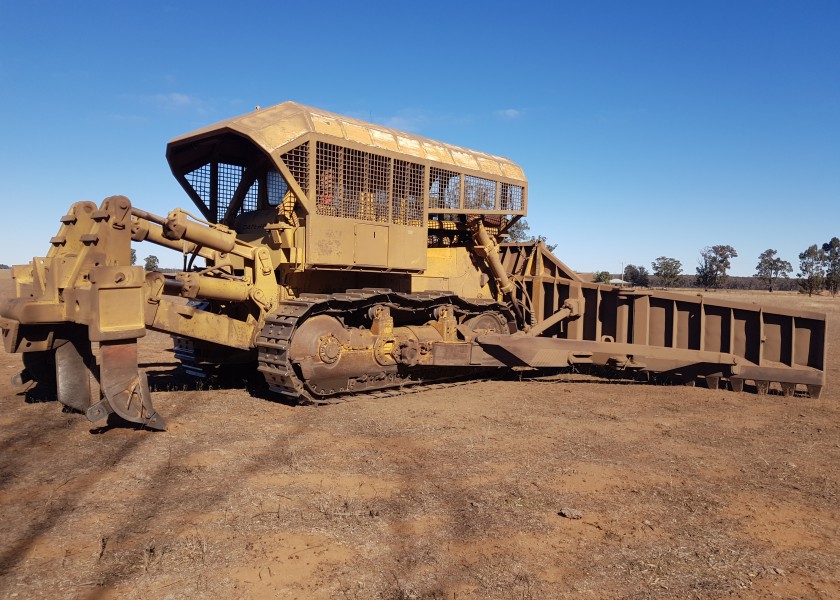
<point>251,201</point>
<point>373,200</point>
<point>328,171</point>
<point>479,194</point>
<point>200,182</point>
<point>353,185</point>
<point>297,159</point>
<point>444,189</point>
<point>511,197</point>
<point>408,193</point>
<point>229,178</point>
<point>357,185</point>
<point>276,187</point>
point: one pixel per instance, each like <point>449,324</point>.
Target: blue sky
<point>645,128</point>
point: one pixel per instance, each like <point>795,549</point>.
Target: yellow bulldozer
<point>342,257</point>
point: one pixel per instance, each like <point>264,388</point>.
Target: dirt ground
<point>574,488</point>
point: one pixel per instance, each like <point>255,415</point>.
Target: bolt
<point>329,349</point>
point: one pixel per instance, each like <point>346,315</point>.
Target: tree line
<point>819,269</point>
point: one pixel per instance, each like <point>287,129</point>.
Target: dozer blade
<point>76,385</point>
<point>124,387</point>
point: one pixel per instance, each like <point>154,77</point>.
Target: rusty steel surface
<point>338,257</point>
<point>279,128</point>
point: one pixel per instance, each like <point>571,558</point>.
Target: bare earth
<point>445,494</point>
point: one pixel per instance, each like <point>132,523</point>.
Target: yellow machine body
<point>338,256</point>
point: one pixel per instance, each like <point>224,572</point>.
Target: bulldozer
<point>338,257</point>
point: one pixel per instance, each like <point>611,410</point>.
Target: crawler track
<point>283,377</point>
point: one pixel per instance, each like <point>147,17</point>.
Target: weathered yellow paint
<point>202,325</point>
<point>451,269</point>
<point>278,127</point>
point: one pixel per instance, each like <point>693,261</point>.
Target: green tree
<point>133,257</point>
<point>152,263</point>
<point>601,277</point>
<point>520,231</point>
<point>713,264</point>
<point>544,240</point>
<point>638,276</point>
<point>831,250</point>
<point>770,268</point>
<point>811,270</point>
<point>668,270</point>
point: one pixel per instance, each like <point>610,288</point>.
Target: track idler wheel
<point>125,388</point>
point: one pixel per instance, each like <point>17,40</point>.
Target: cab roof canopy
<point>266,139</point>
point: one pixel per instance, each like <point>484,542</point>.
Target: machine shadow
<point>176,379</point>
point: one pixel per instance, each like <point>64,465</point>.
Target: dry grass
<point>683,493</point>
